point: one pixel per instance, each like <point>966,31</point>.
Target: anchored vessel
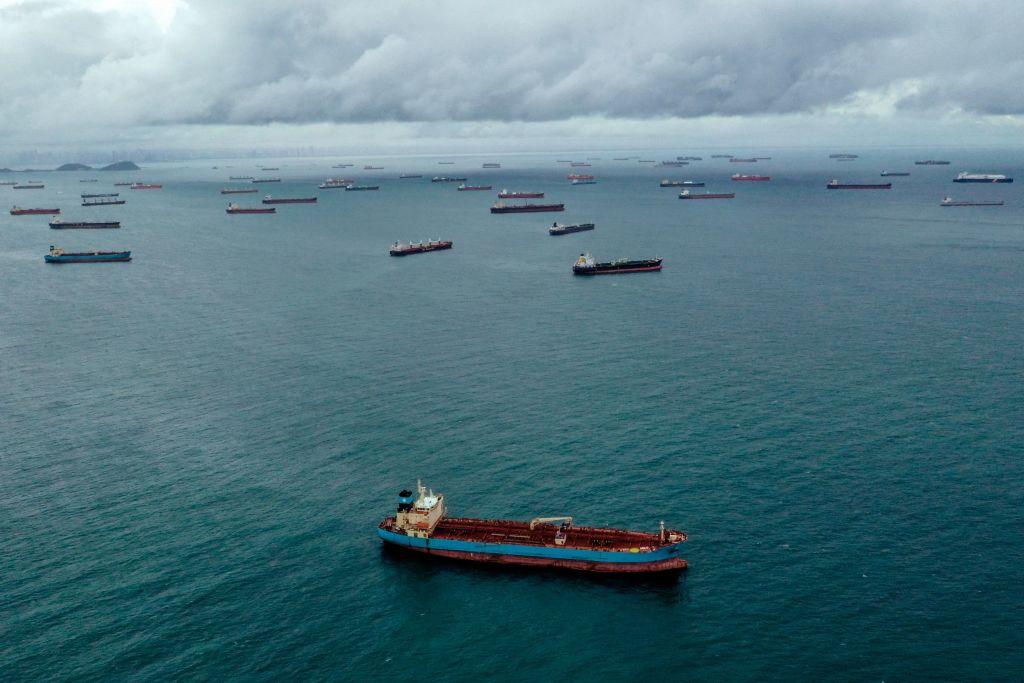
<point>678,162</point>
<point>557,229</point>
<point>409,175</point>
<point>836,185</point>
<point>949,201</point>
<point>749,160</point>
<point>361,188</point>
<point>740,176</point>
<point>266,180</point>
<point>446,179</point>
<point>686,194</point>
<point>58,224</point>
<point>579,176</point>
<point>526,207</point>
<point>235,208</point>
<point>102,200</point>
<point>492,165</point>
<point>469,188</point>
<point>241,177</point>
<point>238,190</point>
<point>932,162</point>
<point>886,174</point>
<point>585,265</point>
<point>583,181</point>
<point>289,200</point>
<point>29,186</point>
<point>982,178</point>
<point>505,194</point>
<point>399,249</point>
<point>421,524</point>
<point>60,256</point>
<point>93,196</point>
<point>18,211</point>
<point>336,183</point>
<point>842,157</point>
<point>680,183</point>
<point>144,186</point>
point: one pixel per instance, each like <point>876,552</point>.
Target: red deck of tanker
<point>519,533</point>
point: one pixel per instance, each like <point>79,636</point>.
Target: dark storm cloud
<point>267,61</point>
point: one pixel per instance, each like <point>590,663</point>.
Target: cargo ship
<point>289,200</point>
<point>446,179</point>
<point>674,163</point>
<point>235,208</point>
<point>421,524</point>
<point>492,165</point>
<point>58,224</point>
<point>932,162</point>
<point>88,180</point>
<point>579,176</point>
<point>842,156</point>
<point>689,158</point>
<point>124,184</point>
<point>108,200</point>
<point>748,160</point>
<point>680,183</point>
<point>343,166</point>
<point>949,201</point>
<point>373,168</point>
<point>266,180</point>
<point>399,249</point>
<point>740,176</point>
<point>241,177</point>
<point>585,265</point>
<point>472,188</point>
<point>982,178</point>
<point>579,164</point>
<point>526,207</point>
<point>144,186</point>
<point>721,156</point>
<point>18,211</point>
<point>60,256</point>
<point>888,174</point>
<point>29,186</point>
<point>335,183</point>
<point>102,194</point>
<point>8,182</point>
<point>405,176</point>
<point>557,229</point>
<point>238,190</point>
<point>686,194</point>
<point>361,188</point>
<point>836,185</point>
<point>583,181</point>
<point>269,168</point>
<point>505,194</point>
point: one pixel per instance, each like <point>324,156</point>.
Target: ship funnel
<point>405,500</point>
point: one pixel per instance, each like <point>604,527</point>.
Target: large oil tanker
<point>982,178</point>
<point>586,265</point>
<point>421,524</point>
<point>57,255</point>
<point>18,211</point>
<point>836,185</point>
<point>525,207</point>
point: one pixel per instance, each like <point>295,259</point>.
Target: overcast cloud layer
<point>111,65</point>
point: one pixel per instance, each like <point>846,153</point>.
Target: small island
<point>116,166</point>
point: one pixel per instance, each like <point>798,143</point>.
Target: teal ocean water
<point>823,388</point>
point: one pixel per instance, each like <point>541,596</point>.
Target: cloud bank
<point>170,63</point>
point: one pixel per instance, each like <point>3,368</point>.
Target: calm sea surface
<point>824,388</point>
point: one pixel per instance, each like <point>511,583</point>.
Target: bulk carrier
<point>421,524</point>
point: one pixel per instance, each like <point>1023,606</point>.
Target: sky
<point>461,76</point>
